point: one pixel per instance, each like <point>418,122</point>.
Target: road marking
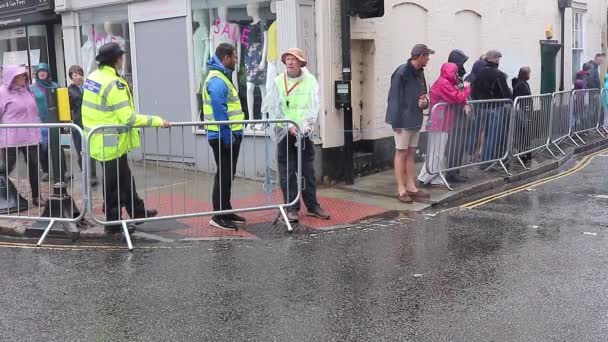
<point>600,196</point>
<point>583,163</point>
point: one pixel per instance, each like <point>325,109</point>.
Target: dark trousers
<point>226,157</point>
<point>288,168</point>
<point>120,191</point>
<point>78,145</point>
<point>30,154</point>
<point>56,163</point>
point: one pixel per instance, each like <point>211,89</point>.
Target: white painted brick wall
<point>514,27</point>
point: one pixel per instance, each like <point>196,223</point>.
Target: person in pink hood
<point>443,120</point>
<point>18,106</point>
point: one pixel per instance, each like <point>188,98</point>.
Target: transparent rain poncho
<point>272,106</point>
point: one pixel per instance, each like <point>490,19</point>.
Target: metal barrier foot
<point>574,141</point>
<point>285,219</point>
<point>125,230</point>
<point>600,132</point>
<point>445,181</point>
<point>581,139</point>
<point>559,148</point>
<point>521,162</point>
<point>46,232</point>
<point>504,167</point>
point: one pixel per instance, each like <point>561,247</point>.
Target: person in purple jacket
<point>18,106</point>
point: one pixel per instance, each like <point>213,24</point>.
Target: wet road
<point>527,267</point>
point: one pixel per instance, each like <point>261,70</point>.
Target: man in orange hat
<point>294,95</point>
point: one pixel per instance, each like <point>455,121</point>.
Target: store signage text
<point>7,6</point>
<point>231,31</point>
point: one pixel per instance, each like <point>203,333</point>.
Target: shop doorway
<point>29,45</point>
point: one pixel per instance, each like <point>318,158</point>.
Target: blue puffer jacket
<point>218,91</point>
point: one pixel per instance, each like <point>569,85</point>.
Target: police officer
<point>294,95</point>
<point>107,100</point>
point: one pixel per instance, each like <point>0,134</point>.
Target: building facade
<point>169,41</point>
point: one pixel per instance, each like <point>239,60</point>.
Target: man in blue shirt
<point>221,103</point>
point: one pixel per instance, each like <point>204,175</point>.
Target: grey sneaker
<point>319,212</point>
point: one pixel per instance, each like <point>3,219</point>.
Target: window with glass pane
<point>578,44</point>
<point>102,26</point>
<point>251,27</point>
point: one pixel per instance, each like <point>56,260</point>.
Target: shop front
<point>30,33</point>
<point>169,43</point>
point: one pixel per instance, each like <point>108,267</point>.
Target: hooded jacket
<point>445,89</point>
<point>459,58</point>
<point>17,106</point>
<point>218,92</point>
<point>491,84</point>
<point>407,85</point>
<point>40,91</point>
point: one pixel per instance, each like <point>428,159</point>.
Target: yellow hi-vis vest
<point>107,100</point>
<point>235,111</point>
<point>297,105</point>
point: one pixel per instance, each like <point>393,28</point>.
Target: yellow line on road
<point>583,163</point>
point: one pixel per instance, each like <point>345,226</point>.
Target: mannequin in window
<point>109,37</point>
<point>255,44</point>
<point>273,48</point>
<point>88,51</point>
<point>201,51</point>
<point>223,31</point>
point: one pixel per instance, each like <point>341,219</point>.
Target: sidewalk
<point>180,191</point>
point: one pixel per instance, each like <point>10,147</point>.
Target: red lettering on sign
<point>245,37</point>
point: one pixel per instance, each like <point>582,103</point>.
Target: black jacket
<point>459,58</point>
<point>407,85</point>
<point>76,104</point>
<point>520,88</point>
<point>491,84</point>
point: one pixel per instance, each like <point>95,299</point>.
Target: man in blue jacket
<point>221,103</point>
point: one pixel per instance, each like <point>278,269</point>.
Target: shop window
<point>102,26</point>
<point>251,27</point>
<point>26,46</point>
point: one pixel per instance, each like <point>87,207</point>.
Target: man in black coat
<point>491,84</point>
<point>407,98</point>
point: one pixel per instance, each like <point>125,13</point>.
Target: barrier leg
<point>125,230</point>
<point>522,162</point>
<point>287,223</point>
<point>46,232</point>
<point>600,132</point>
<point>573,141</point>
<point>559,148</point>
<point>504,167</point>
<point>445,181</point>
<point>579,138</point>
<point>548,148</point>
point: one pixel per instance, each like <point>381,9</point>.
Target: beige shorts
<point>404,139</point>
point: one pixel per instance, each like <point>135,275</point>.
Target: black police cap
<point>109,52</point>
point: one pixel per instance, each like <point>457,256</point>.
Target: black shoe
<point>149,214</point>
<point>236,218</point>
<point>318,212</point>
<point>456,178</point>
<point>293,216</point>
<point>118,229</point>
<point>222,223</point>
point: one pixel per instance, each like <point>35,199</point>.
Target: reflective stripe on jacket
<point>107,100</point>
<point>235,110</point>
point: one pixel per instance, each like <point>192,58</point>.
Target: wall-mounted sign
<point>10,7</point>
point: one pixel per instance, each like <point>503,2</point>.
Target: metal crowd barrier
<point>586,112</point>
<point>561,121</point>
<point>24,194</point>
<point>173,171</point>
<point>464,136</point>
<point>531,125</point>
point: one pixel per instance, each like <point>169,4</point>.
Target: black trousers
<point>56,164</point>
<point>8,156</point>
<point>120,191</point>
<point>288,168</point>
<point>78,145</point>
<point>226,157</point>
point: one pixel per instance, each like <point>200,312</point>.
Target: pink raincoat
<point>17,106</point>
<point>445,89</point>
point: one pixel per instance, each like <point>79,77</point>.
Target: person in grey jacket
<point>407,98</point>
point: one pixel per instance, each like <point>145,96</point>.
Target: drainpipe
<point>349,174</point>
